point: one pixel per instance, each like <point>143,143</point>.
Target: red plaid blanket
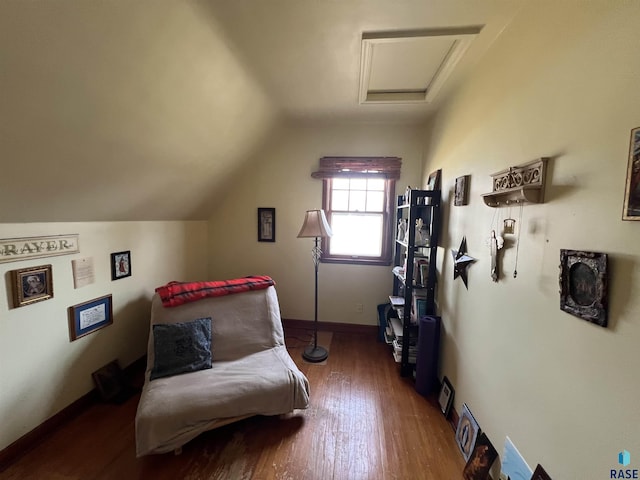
<point>177,293</point>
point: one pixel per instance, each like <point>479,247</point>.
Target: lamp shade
<point>315,225</point>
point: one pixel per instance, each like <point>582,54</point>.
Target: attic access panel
<point>410,66</point>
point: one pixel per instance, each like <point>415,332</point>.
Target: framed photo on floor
<point>467,432</point>
<point>445,399</point>
<point>32,285</point>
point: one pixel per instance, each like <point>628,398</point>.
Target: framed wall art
<point>90,316</point>
<point>583,285</point>
<point>120,265</point>
<point>266,224</point>
<point>434,180</point>
<point>467,432</point>
<point>631,209</point>
<point>461,193</point>
<point>445,398</point>
<point>32,285</point>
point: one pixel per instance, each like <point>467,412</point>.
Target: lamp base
<point>315,354</point>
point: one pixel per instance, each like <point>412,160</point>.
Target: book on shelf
<point>396,326</point>
<point>396,301</point>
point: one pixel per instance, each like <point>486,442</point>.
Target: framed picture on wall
<point>266,224</point>
<point>631,210</point>
<point>583,285</point>
<point>87,317</point>
<point>120,265</point>
<point>433,182</point>
<point>32,285</point>
<point>461,194</point>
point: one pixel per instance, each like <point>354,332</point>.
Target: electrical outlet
<point>359,308</point>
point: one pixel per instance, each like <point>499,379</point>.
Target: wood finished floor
<point>364,422</point>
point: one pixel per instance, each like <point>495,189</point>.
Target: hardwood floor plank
<point>364,422</point>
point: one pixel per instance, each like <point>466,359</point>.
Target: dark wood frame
<point>75,329</point>
<point>21,297</point>
<point>446,401</point>
<point>388,229</point>
<point>632,184</point>
<point>461,192</point>
<point>583,285</point>
<point>540,474</point>
<point>115,272</point>
<point>434,180</point>
<point>109,381</point>
<point>263,214</point>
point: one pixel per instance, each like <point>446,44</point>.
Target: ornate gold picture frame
<point>31,285</point>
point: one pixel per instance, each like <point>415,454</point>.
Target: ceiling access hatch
<point>410,66</point>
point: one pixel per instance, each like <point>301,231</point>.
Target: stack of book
<point>394,337</point>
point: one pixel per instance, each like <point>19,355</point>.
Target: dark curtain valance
<point>383,167</point>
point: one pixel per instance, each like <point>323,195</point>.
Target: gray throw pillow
<point>181,347</point>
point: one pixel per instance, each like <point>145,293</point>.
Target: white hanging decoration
<point>496,242</point>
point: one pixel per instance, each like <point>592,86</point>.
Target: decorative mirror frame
<point>583,285</point>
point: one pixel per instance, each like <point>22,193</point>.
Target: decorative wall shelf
<point>520,184</point>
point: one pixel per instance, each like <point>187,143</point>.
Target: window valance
<point>382,167</point>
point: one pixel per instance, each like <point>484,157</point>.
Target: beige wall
<point>562,82</point>
<point>280,178</point>
<point>41,371</point>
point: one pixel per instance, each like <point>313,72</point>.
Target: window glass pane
<point>340,200</point>
<point>340,183</point>
<point>358,184</point>
<point>375,201</point>
<point>357,201</point>
<point>376,184</point>
<point>356,234</point>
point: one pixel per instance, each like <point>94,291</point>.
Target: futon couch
<point>237,364</point>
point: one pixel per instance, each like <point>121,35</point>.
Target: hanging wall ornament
<point>461,262</point>
<point>495,244</point>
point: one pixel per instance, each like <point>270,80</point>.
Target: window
<point>358,200</point>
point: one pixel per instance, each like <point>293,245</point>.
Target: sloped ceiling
<point>146,109</point>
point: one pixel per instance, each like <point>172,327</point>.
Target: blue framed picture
<point>467,432</point>
<point>90,316</point>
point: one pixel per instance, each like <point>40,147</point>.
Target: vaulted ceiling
<point>143,110</point>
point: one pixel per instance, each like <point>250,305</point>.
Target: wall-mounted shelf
<point>520,184</point>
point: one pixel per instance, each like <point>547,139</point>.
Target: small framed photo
<point>32,285</point>
<point>445,398</point>
<point>266,224</point>
<point>631,209</point>
<point>467,432</point>
<point>120,265</point>
<point>111,383</point>
<point>481,460</point>
<point>87,317</point>
<point>434,180</point>
<point>583,285</point>
<point>461,194</point>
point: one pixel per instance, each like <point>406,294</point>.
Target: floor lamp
<point>315,226</point>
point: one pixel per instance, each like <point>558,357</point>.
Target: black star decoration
<point>461,262</point>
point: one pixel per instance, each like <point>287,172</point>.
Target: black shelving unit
<point>424,204</point>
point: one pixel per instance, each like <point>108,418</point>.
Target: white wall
<point>281,178</point>
<point>562,82</point>
<point>41,371</point>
